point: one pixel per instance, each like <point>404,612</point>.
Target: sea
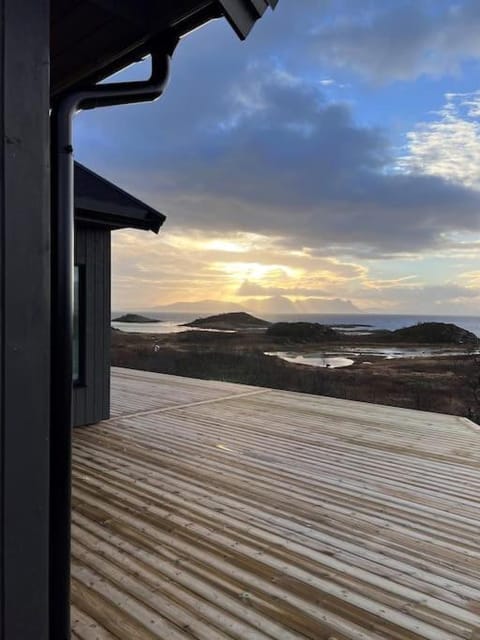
<point>172,322</point>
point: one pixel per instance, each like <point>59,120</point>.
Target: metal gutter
<point>62,315</point>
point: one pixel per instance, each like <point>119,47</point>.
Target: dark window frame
<point>80,380</point>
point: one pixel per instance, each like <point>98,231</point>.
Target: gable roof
<point>100,202</point>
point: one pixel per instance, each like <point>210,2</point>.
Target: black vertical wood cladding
<point>91,399</point>
<point>24,319</point>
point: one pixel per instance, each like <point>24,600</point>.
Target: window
<point>78,324</point>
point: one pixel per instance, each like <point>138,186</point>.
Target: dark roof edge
<point>112,222</point>
<point>242,14</point>
<point>115,215</point>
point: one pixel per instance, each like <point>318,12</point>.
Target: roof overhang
<point>243,15</point>
<point>100,203</point>
<point>105,219</point>
<point>91,39</point>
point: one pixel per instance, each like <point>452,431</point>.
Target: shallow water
<point>344,357</point>
<point>312,359</point>
<point>389,353</point>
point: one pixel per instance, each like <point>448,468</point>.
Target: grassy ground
<point>449,384</point>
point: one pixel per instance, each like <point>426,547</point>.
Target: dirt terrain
<point>447,384</point>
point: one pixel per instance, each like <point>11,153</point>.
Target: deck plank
<point>138,391</point>
<point>217,511</point>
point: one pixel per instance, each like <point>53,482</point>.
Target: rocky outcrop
<point>229,322</point>
<point>434,333</point>
<point>135,318</point>
<point>302,332</point>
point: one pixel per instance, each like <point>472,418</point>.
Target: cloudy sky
<point>335,155</point>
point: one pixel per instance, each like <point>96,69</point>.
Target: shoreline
<point>377,321</point>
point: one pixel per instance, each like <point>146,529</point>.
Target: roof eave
<point>242,14</point>
<point>112,221</point>
<point>93,208</point>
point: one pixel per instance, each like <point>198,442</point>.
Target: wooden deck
<point>215,511</point>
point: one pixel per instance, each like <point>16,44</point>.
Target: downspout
<point>62,316</point>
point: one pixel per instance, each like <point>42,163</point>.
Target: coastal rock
<point>135,318</point>
<point>302,332</point>
<point>435,333</point>
<point>229,322</point>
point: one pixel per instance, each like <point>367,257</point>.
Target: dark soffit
<point>91,39</point>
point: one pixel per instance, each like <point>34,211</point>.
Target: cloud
<point>299,165</point>
<point>255,289</point>
<point>450,298</point>
<point>172,267</point>
<point>449,145</point>
<point>472,281</point>
<point>255,153</point>
<point>278,158</point>
<point>248,142</point>
<point>400,40</point>
<point>150,271</point>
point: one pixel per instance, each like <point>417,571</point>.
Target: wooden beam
<point>24,319</point>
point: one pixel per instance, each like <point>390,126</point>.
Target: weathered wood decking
<point>212,511</point>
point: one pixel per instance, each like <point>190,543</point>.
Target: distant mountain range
<point>202,306</point>
<point>281,304</point>
<point>272,305</point>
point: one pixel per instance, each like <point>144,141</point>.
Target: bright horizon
<point>331,162</point>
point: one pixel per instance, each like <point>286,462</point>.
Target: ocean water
<point>172,321</point>
<point>377,321</point>
<point>166,326</point>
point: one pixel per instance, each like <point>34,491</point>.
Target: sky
<point>329,163</point>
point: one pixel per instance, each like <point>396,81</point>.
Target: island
<point>238,320</point>
<point>135,318</point>
<point>302,332</point>
<point>434,333</point>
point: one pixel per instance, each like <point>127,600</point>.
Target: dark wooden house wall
<point>24,320</point>
<point>91,396</point>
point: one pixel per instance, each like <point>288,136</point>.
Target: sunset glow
<point>313,166</point>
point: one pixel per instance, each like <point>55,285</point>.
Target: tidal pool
<point>313,359</point>
<point>346,357</point>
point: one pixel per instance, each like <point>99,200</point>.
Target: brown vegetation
<point>448,384</point>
